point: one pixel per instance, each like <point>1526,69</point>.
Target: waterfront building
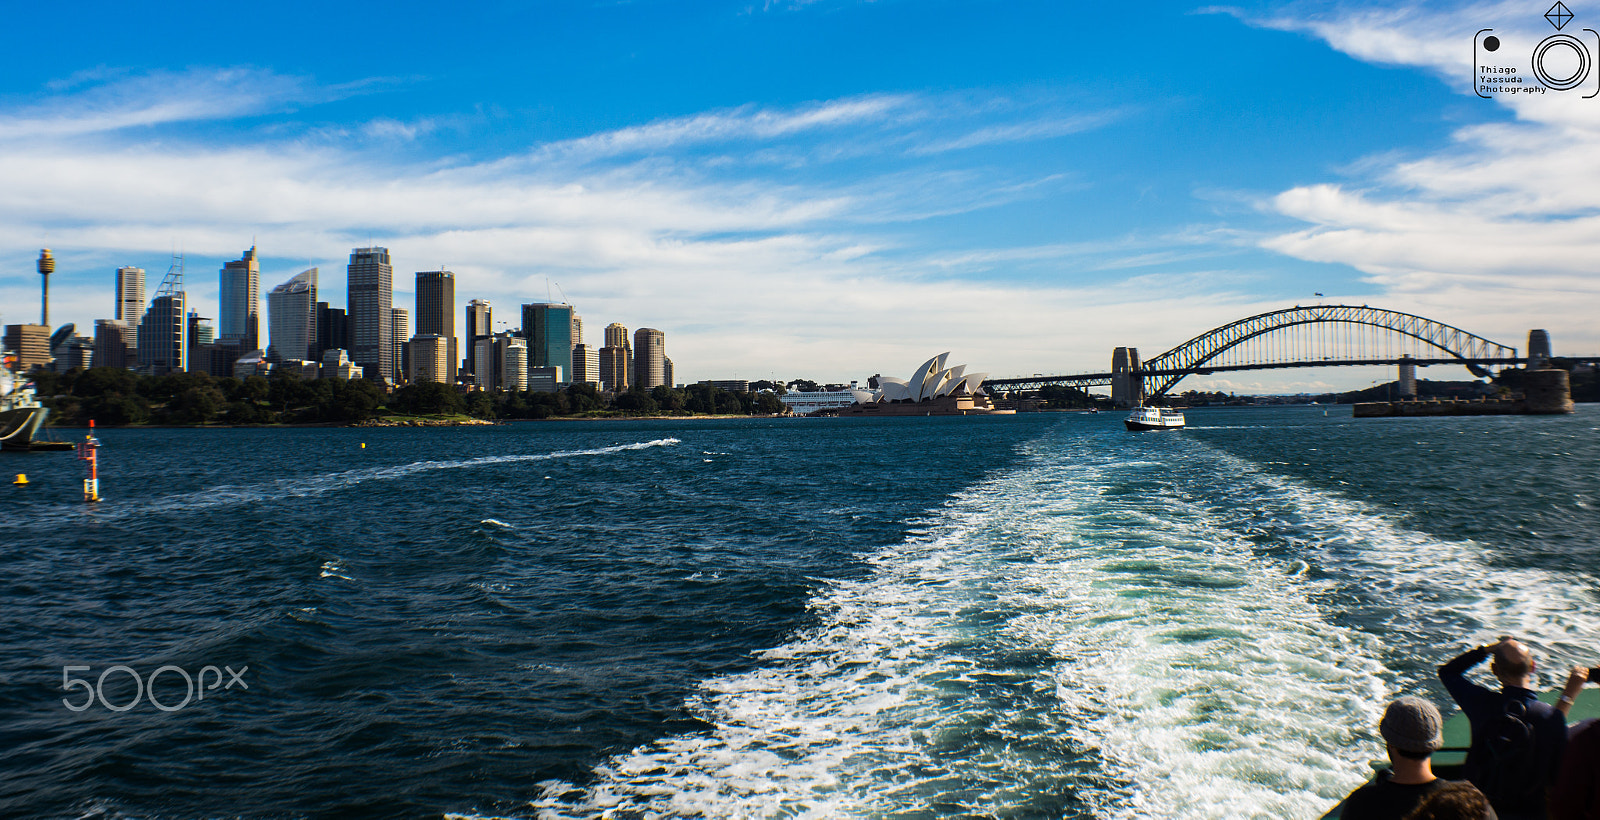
<point>75,351</point>
<point>479,326</point>
<point>333,329</point>
<point>514,363</point>
<point>649,358</point>
<point>932,390</point>
<point>666,372</point>
<point>585,365</point>
<point>803,403</point>
<point>730,385</point>
<point>548,328</point>
<point>202,344</point>
<point>30,344</point>
<point>239,300</point>
<point>1538,349</point>
<point>400,330</point>
<point>436,312</point>
<point>615,364</point>
<point>430,359</point>
<point>292,318</point>
<point>163,335</point>
<point>112,342</point>
<point>544,379</point>
<point>336,365</point>
<point>486,354</point>
<point>371,298</point>
<point>130,298</point>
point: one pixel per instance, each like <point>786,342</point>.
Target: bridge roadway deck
<point>1094,379</point>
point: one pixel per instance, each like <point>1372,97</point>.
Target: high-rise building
<point>74,352</point>
<point>649,358</point>
<point>371,298</point>
<point>163,335</point>
<point>478,327</point>
<point>548,329</point>
<point>514,364</point>
<point>239,301</point>
<point>202,346</point>
<point>30,344</point>
<point>430,358</point>
<point>400,330</point>
<point>333,329</point>
<point>585,365</point>
<point>544,379</point>
<point>614,365</point>
<point>292,318</point>
<point>112,342</point>
<point>130,298</point>
<point>616,359</point>
<point>436,312</point>
<point>577,328</point>
<point>163,330</point>
<point>666,372</point>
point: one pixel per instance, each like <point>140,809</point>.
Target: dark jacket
<point>1484,709</point>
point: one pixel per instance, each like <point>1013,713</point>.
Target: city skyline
<point>1028,205</point>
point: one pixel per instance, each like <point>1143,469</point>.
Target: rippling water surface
<point>1031,616</point>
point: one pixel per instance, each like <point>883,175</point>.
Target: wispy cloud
<point>106,100</point>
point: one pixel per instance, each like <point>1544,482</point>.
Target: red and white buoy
<point>89,450</point>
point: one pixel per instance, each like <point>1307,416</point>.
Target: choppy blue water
<point>1031,616</point>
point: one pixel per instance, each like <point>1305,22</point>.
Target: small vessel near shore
<point>1154,418</point>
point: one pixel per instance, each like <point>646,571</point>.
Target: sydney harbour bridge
<point>1317,336</point>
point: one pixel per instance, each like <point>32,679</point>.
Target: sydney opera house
<point>933,390</point>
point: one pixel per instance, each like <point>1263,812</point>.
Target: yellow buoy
<point>363,445</point>
<point>22,478</point>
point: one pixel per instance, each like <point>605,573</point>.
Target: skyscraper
<point>399,331</point>
<point>130,297</point>
<point>548,329</point>
<point>478,327</point>
<point>616,359</point>
<point>333,330</point>
<point>577,328</point>
<point>514,365</point>
<point>239,301</point>
<point>429,358</point>
<point>371,297</point>
<point>112,341</point>
<point>649,358</point>
<point>436,314</point>
<point>292,318</point>
<point>585,365</point>
<point>163,331</point>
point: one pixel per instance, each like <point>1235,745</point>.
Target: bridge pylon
<point>1127,383</point>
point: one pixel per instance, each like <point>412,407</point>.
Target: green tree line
<point>114,397</point>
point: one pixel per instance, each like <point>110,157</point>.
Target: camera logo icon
<point>1561,62</point>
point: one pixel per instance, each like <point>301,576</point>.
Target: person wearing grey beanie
<point>1412,729</point>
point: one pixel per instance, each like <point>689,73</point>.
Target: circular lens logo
<point>1561,62</point>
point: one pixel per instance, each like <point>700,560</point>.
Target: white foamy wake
<point>317,485</point>
<point>1438,596</point>
<point>1046,649</point>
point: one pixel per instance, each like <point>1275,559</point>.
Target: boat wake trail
<point>318,485</point>
<point>1072,639</point>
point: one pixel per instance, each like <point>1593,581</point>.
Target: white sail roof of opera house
<point>932,380</point>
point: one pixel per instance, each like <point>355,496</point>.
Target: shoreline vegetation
<point>114,397</point>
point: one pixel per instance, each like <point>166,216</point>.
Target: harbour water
<point>1041,615</point>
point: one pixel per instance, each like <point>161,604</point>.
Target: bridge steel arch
<point>1163,372</point>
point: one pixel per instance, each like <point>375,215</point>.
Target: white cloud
<point>1501,228</point>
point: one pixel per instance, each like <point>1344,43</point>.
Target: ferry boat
<point>21,415</point>
<point>1154,418</point>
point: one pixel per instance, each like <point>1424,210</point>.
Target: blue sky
<point>823,189</point>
